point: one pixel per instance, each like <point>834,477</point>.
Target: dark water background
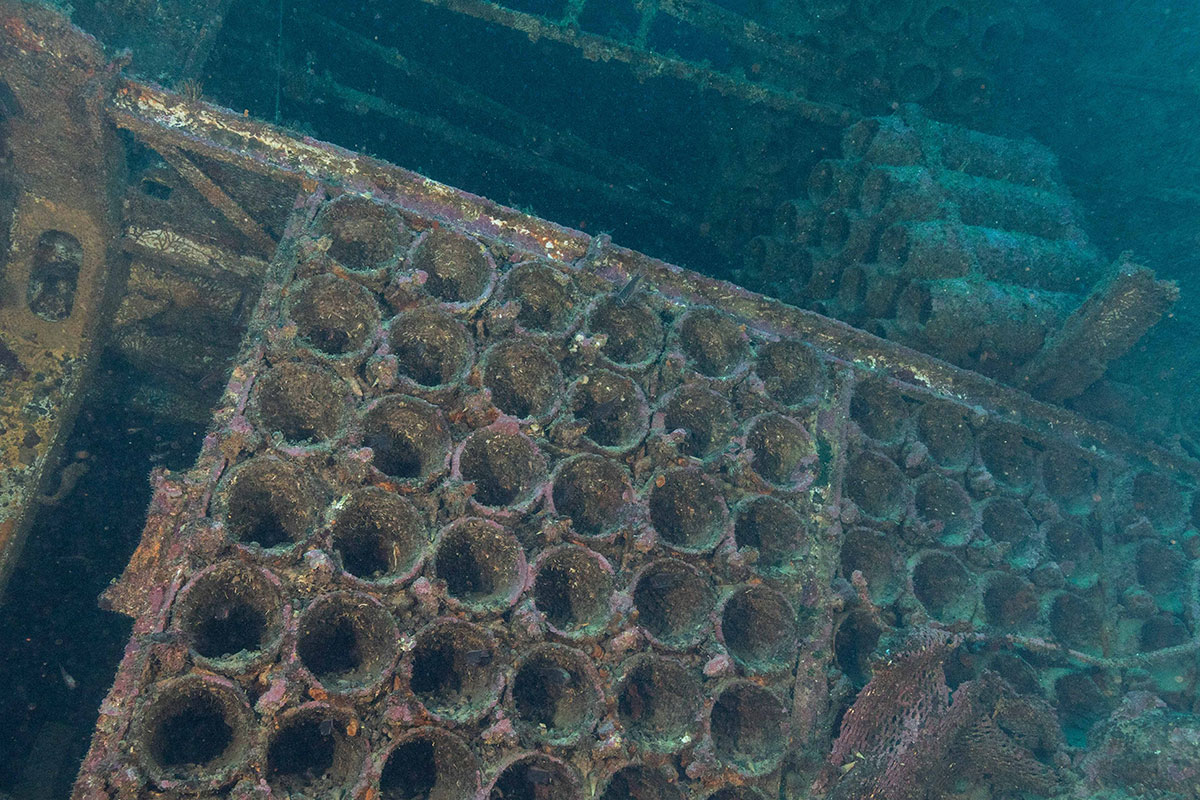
<point>1111,87</point>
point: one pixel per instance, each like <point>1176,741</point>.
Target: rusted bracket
<point>216,195</point>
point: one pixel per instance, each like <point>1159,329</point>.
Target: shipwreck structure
<point>492,508</point>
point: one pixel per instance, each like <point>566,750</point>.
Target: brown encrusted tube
<point>916,76</point>
<point>941,249</point>
<point>868,291</point>
<point>990,203</point>
<point>453,670</point>
<point>960,320</point>
<point>363,235</point>
<point>409,439</point>
<point>999,158</point>
<point>758,627</point>
<point>613,407</point>
<point>996,35</point>
<point>460,273</point>
<point>348,642</point>
<point>705,417</point>
<point>334,317</point>
<point>432,349</point>
<point>688,511</point>
<point>834,184</point>
<point>790,370</point>
<point>505,465</point>
<point>1102,329</point>
<point>270,503</point>
<point>555,694</point>
<point>591,491</point>
<point>774,529</point>
<point>640,781</point>
<point>481,562</point>
<point>303,403</point>
<point>378,536</point>
<point>632,332</point>
<point>429,762</point>
<point>902,193</point>
<point>942,23</point>
<point>748,726</point>
<point>881,140</point>
<point>545,294</point>
<point>231,615</point>
<point>672,600</point>
<point>782,452</point>
<point>521,775</point>
<point>193,732</point>
<point>658,700</point>
<point>572,588</point>
<point>715,344</point>
<point>310,751</point>
<point>525,381</point>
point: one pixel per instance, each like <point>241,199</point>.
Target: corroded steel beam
<point>56,278</point>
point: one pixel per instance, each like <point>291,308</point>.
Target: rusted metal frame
<point>565,178</point>
<point>155,114</point>
<point>623,172</point>
<point>214,194</point>
<point>648,63</point>
<point>743,31</point>
<point>70,167</point>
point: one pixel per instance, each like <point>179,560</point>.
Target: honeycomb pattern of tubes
<point>958,243</point>
<point>610,547</point>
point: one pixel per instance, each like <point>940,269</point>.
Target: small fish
<point>625,293</point>
<point>326,727</point>
<point>538,776</point>
<point>478,658</point>
<point>67,678</point>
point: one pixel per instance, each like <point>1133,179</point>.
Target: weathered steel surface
<point>56,276</point>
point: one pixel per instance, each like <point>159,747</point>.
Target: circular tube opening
<point>658,700</point>
<point>942,584</point>
<point>945,507</point>
<point>310,753</point>
<point>771,527</point>
<point>714,344</point>
<point>481,562</point>
<point>633,333</point>
<point>874,554</point>
<point>504,464</point>
<point>1160,499</point>
<point>333,316</point>
<point>758,627</point>
<point>1006,520</point>
<point>573,589</point>
<point>348,641</point>
<point>432,348</point>
<point>554,693</point>
<point>613,407</point>
<point>408,437</point>
<point>429,764</point>
<point>378,535</point>
<point>544,294</point>
<point>270,503</point>
<point>1070,479</point>
<point>879,410</point>
<point>705,416</point>
<point>454,671</point>
<point>302,402</point>
<point>231,614</point>
<point>364,235</point>
<point>688,511</point>
<point>784,454</point>
<point>1007,455</point>
<point>457,266</point>
<point>790,371</point>
<point>747,727</point>
<point>591,490</point>
<point>194,729</point>
<point>876,485</point>
<point>1161,568</point>
<point>1075,622</point>
<point>525,380</point>
<point>945,431</point>
<point>536,777</point>
<point>1010,600</point>
<point>673,601</point>
<point>636,782</point>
